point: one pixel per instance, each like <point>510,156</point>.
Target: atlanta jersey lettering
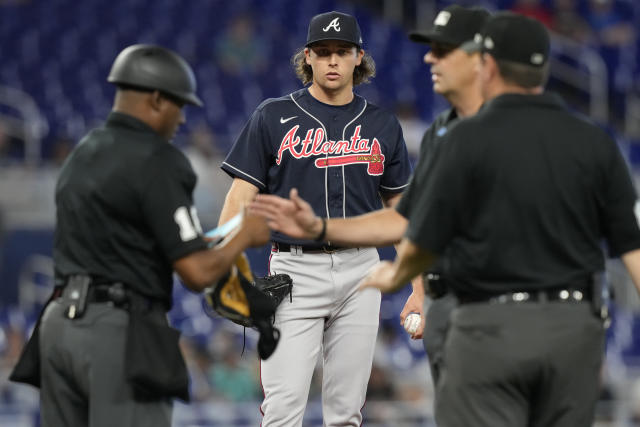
<point>340,158</point>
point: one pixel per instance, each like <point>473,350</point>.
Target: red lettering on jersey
<point>363,145</point>
<point>288,143</point>
<point>354,140</point>
<point>315,143</point>
<point>374,160</point>
<point>306,148</point>
<point>341,147</point>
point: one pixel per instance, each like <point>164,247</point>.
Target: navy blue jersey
<point>340,158</point>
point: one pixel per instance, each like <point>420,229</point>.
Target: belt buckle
<point>328,249</point>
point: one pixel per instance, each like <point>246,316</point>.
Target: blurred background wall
<point>54,59</point>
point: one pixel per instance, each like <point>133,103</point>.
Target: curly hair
<point>361,74</point>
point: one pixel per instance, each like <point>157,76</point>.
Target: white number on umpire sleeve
<point>188,223</point>
<point>195,219</point>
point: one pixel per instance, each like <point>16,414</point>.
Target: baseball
<point>412,323</point>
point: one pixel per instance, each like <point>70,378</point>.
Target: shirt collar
<point>453,115</point>
<point>307,100</point>
<point>127,121</point>
<point>507,100</point>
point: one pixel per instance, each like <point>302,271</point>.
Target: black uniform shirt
<point>522,195</point>
<point>428,153</point>
<point>429,149</point>
<point>124,208</point>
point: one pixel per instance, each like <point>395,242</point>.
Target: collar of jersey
<point>308,100</point>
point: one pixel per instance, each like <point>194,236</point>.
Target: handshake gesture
<point>292,216</point>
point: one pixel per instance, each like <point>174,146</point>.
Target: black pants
<point>82,365</point>
<point>520,365</point>
<point>437,321</point>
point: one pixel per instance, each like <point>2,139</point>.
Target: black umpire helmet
<point>154,67</point>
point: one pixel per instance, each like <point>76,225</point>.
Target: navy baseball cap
<point>334,26</point>
<point>454,25</point>
<point>513,37</point>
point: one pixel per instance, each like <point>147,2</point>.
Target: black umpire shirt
<point>429,149</point>
<point>125,208</point>
<point>428,153</point>
<point>522,195</point>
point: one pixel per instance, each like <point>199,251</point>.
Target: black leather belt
<point>547,295</point>
<point>308,249</point>
<point>435,286</point>
<point>119,296</point>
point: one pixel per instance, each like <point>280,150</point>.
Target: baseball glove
<point>250,303</point>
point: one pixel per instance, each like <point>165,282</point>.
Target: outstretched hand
<point>380,277</point>
<point>293,217</point>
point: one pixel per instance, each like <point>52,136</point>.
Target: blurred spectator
<point>535,9</point>
<point>568,22</point>
<point>413,127</point>
<point>234,380</point>
<point>239,51</point>
<point>611,27</point>
<point>13,334</point>
<point>11,149</point>
<point>61,148</point>
<point>380,385</point>
<point>213,183</point>
<point>616,36</point>
<point>199,364</point>
<point>232,377</point>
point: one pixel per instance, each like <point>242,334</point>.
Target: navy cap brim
<point>359,46</point>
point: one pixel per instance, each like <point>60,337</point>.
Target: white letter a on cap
<point>333,24</point>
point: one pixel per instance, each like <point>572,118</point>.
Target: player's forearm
<point>418,285</point>
<point>380,228</point>
<point>631,261</point>
<point>202,269</point>
<point>240,195</point>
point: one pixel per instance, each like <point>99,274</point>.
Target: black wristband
<point>323,233</point>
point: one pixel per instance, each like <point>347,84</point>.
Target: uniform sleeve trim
<point>394,188</point>
<point>260,183</point>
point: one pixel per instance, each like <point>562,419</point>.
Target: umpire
<point>520,213</point>
<point>125,221</point>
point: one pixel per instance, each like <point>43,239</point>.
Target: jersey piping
<point>245,174</point>
<point>326,171</point>
<point>344,185</point>
<point>394,188</point>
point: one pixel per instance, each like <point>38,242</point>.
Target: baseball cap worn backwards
<point>512,37</point>
<point>334,26</point>
<point>454,25</point>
